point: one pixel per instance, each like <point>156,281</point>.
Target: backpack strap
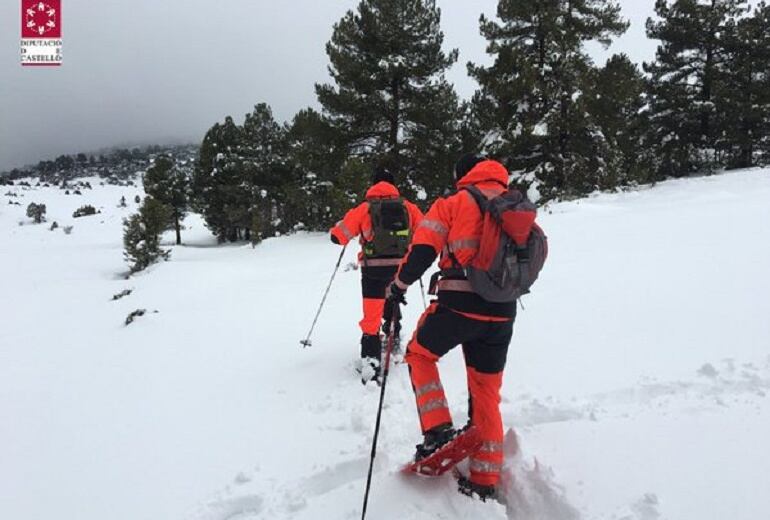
<point>479,197</point>
<point>483,204</point>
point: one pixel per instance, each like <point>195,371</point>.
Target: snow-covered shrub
<point>36,212</point>
<point>122,294</point>
<point>135,314</point>
<point>67,230</point>
<point>84,211</point>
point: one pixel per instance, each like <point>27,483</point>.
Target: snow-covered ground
<point>636,380</point>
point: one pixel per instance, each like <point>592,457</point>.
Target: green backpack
<point>390,228</point>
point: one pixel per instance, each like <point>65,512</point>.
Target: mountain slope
<point>636,379</point>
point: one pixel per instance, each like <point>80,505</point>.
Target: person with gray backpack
<point>384,223</point>
<point>491,253</point>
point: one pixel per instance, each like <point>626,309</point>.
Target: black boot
<point>371,346</point>
<point>371,350</point>
<point>434,439</point>
<point>396,340</point>
<point>477,491</point>
<point>397,350</point>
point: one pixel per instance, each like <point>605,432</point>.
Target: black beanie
<point>466,163</point>
<point>382,174</point>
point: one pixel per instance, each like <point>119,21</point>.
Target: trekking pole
<point>386,369</point>
<point>306,342</point>
<point>422,291</point>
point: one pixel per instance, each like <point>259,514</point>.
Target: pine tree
<point>325,187</point>
<point>744,97</point>
<point>390,101</point>
<point>267,174</point>
<point>141,235</point>
<point>617,101</point>
<point>169,185</point>
<point>243,176</point>
<point>686,76</point>
<point>532,100</point>
<point>217,181</point>
<point>762,136</point>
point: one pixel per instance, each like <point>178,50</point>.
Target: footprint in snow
<point>335,477</point>
<point>242,507</point>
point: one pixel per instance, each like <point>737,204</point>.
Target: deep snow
<point>636,380</point>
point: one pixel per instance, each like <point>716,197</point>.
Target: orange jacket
<point>454,223</point>
<point>358,222</point>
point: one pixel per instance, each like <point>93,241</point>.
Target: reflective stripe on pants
<point>432,406</point>
<point>487,461</point>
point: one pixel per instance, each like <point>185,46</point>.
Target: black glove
<point>395,294</point>
<point>335,240</point>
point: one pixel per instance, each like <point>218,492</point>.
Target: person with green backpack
<point>384,223</point>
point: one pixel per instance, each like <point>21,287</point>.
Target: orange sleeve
<point>415,215</point>
<point>428,241</point>
<point>434,227</point>
<point>350,226</point>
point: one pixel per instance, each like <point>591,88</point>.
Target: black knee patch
<point>488,353</point>
<point>443,330</point>
<point>374,280</point>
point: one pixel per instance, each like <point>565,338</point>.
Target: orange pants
<point>374,280</point>
<point>372,320</point>
<point>485,348</point>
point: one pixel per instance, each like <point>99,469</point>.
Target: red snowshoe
<point>436,460</point>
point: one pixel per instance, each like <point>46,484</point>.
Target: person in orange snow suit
<point>385,222</point>
<point>452,228</point>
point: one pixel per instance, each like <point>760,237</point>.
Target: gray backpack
<point>512,250</point>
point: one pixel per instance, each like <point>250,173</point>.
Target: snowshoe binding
<point>433,440</point>
<point>370,370</point>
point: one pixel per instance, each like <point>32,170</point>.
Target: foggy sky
<point>163,71</point>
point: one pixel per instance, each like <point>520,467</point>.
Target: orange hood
<point>485,171</point>
<point>383,190</point>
